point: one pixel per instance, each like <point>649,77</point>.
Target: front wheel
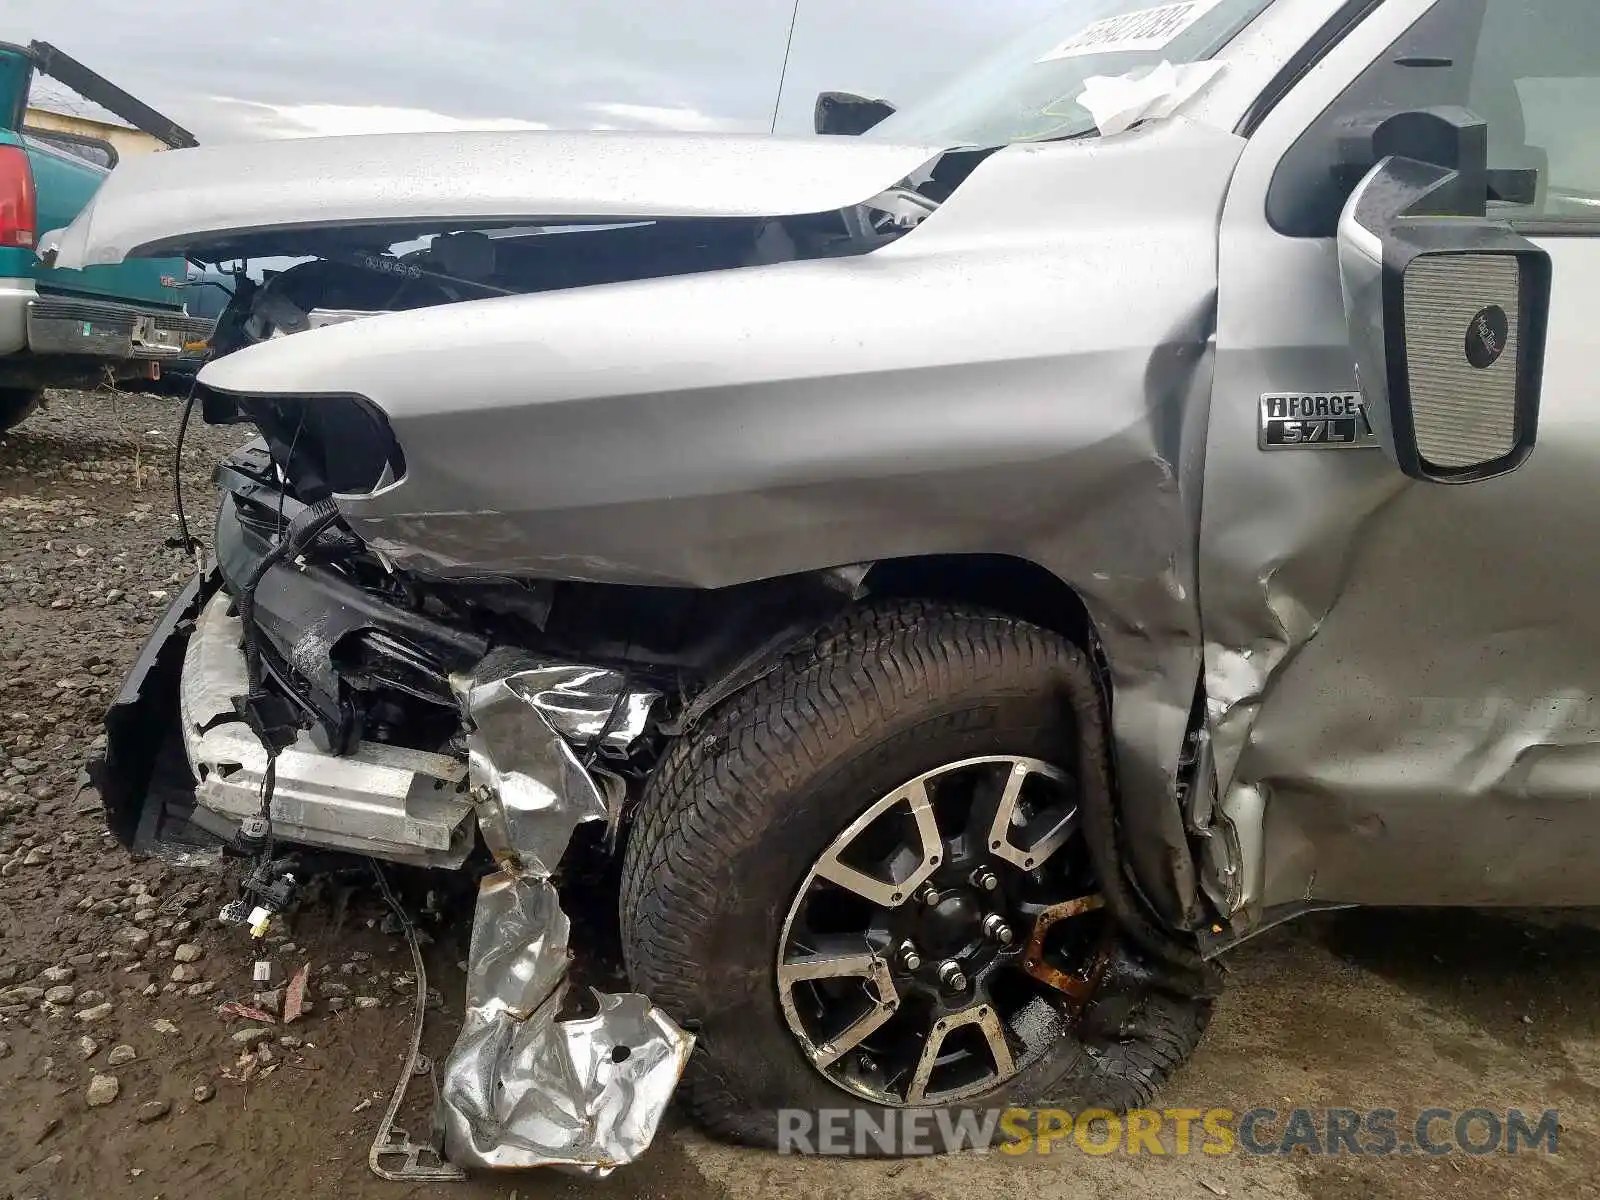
<point>15,406</point>
<point>863,883</point>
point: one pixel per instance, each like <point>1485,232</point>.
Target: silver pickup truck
<point>975,572</point>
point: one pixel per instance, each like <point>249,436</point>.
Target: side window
<point>91,150</point>
<point>1530,68</point>
<point>1536,80</point>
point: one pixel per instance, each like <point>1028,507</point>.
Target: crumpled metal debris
<point>529,723</point>
<point>522,1087</point>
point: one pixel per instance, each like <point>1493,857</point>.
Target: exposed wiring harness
<point>269,886</point>
<point>271,717</point>
<point>183,541</point>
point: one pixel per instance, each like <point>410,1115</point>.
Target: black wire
<point>390,898</point>
<point>783,72</point>
<point>186,543</point>
<point>283,484</point>
<point>318,518</point>
<point>592,750</point>
<point>269,784</point>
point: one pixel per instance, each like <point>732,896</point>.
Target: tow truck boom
<point>62,67</point>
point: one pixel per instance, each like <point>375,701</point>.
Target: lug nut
<point>951,975</point>
<point>995,926</point>
<point>986,879</point>
<point>909,958</point>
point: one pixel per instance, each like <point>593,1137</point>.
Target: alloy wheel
<point>946,939</point>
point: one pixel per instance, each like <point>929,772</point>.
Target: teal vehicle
<point>74,328</point>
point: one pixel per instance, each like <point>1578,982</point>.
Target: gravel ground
<point>120,1077</point>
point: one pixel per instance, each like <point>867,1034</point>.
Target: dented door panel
<point>1400,675</point>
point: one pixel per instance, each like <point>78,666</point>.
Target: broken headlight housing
<point>325,444</point>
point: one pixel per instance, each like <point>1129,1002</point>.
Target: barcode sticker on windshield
<point>1146,29</point>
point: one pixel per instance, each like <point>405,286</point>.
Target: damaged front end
<point>498,741</point>
<point>314,688</point>
<point>493,563</point>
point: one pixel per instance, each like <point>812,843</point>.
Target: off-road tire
<point>16,405</point>
<point>740,807</point>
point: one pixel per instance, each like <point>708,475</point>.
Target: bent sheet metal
<point>523,1087</point>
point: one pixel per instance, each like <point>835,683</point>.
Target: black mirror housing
<point>1447,312</point>
<point>847,113</point>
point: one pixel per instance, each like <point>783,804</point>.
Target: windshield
<point>1028,90</point>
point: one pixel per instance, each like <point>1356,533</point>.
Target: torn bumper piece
<point>523,1087</point>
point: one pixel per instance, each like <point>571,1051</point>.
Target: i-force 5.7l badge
<point>1313,421</point>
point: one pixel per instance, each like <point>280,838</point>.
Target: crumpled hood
<point>279,197</point>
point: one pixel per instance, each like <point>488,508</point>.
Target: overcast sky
<point>230,71</point>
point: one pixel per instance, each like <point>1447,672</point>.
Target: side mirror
<point>847,113</point>
<point>1447,310</point>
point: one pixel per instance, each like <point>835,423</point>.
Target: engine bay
<point>358,272</point>
<point>366,651</point>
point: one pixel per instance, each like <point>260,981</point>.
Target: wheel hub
<point>901,961</point>
<point>951,925</point>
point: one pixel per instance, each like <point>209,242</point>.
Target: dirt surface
<point>1360,1010</point>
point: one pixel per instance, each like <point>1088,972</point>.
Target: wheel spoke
<point>851,1037</point>
<point>994,1037</point>
<point>837,961</point>
<point>995,1034</point>
<point>1000,829</point>
<point>887,893</point>
<point>834,958</point>
<point>878,891</point>
<point>931,846</point>
<point>1076,988</point>
<point>917,1091</point>
<point>1057,837</point>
